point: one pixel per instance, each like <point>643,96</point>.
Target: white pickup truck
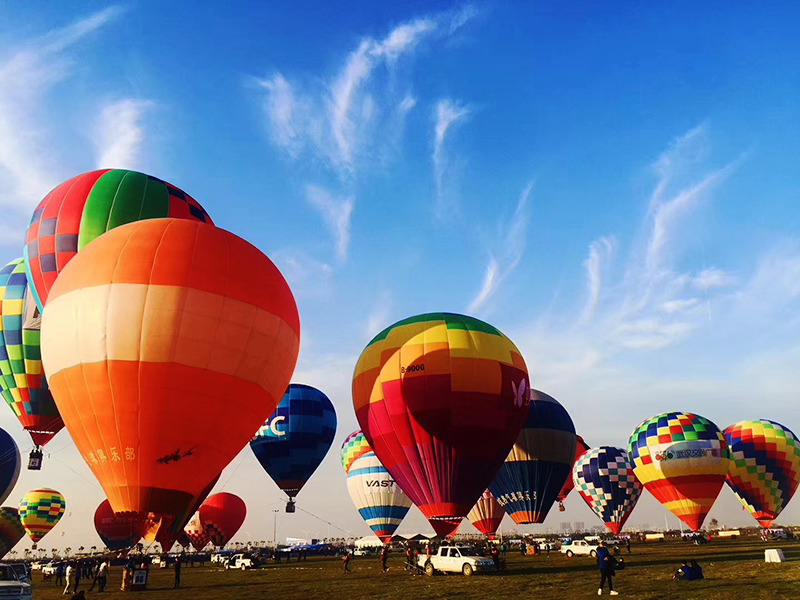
<point>239,561</point>
<point>455,559</point>
<point>580,547</point>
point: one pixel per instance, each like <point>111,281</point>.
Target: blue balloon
<point>296,437</point>
<point>539,463</point>
<point>10,463</point>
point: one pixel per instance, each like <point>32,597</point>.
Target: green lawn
<point>733,570</point>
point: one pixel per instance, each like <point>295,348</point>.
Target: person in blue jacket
<point>606,563</point>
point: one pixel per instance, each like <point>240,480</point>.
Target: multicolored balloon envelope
<point>486,515</point>
<point>197,533</point>
<point>378,498</point>
<point>539,463</point>
<point>354,446</point>
<point>580,448</point>
<point>441,398</point>
<point>765,467</point>
<point>10,464</point>
<point>167,344</point>
<point>40,511</point>
<point>682,459</point>
<point>84,207</point>
<point>23,384</point>
<point>117,531</point>
<point>296,437</point>
<point>604,478</point>
<point>11,529</point>
<point>222,515</point>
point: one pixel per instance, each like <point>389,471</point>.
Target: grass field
<point>733,569</point>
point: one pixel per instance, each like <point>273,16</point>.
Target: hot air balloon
<point>197,533</point>
<point>378,498</point>
<point>84,207</point>
<point>23,384</point>
<point>529,480</point>
<point>9,465</point>
<point>580,448</point>
<point>765,467</point>
<point>222,515</point>
<point>11,529</point>
<point>167,343</point>
<point>296,437</point>
<point>354,446</point>
<point>441,398</point>
<point>486,515</point>
<point>682,459</point>
<point>40,511</point>
<point>604,478</point>
<point>116,531</point>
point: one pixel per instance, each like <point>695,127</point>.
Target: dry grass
<point>733,570</point>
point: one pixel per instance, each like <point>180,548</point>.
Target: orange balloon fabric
<point>167,344</point>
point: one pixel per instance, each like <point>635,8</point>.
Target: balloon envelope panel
<point>10,464</point>
<point>376,495</point>
<point>296,437</point>
<point>682,459</point>
<point>23,384</point>
<point>604,478</point>
<point>441,398</point>
<point>486,515</point>
<point>528,482</point>
<point>197,533</point>
<point>182,338</point>
<point>11,529</point>
<point>84,207</point>
<point>580,448</point>
<point>354,446</point>
<point>116,531</point>
<point>765,467</point>
<point>221,516</point>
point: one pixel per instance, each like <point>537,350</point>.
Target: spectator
<point>605,561</point>
<point>346,561</point>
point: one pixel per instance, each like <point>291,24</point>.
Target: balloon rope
<point>241,460</point>
<point>324,521</point>
<point>76,473</point>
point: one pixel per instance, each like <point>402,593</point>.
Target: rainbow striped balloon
<point>682,459</point>
<point>40,511</point>
<point>765,467</point>
<point>11,529</point>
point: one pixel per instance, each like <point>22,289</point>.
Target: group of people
<point>71,573</point>
<point>689,571</point>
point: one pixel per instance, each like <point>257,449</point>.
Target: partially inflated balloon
<point>23,384</point>
<point>765,467</point>
<point>486,515</point>
<point>441,398</point>
<point>167,343</point>
<point>11,529</point>
<point>539,463</point>
<point>40,511</point>
<point>378,498</point>
<point>222,515</point>
<point>682,459</point>
<point>197,533</point>
<point>117,531</point>
<point>354,446</point>
<point>10,464</point>
<point>604,478</point>
<point>580,448</point>
<point>85,207</point>
<point>296,437</point>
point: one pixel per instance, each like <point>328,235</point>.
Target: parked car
<point>50,568</point>
<point>580,547</point>
<point>363,552</point>
<point>11,588</point>
<point>455,559</point>
<point>240,561</point>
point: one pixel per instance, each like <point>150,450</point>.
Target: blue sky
<point>615,188</point>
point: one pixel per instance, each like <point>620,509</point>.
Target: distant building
<point>579,526</point>
<point>565,527</point>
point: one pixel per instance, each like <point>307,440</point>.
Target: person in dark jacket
<point>384,557</point>
<point>177,573</point>
<point>346,561</point>
<point>697,570</point>
<point>605,561</point>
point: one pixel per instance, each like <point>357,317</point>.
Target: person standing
<point>177,573</point>
<point>70,576</point>
<point>547,548</point>
<point>102,576</point>
<point>59,574</point>
<point>606,564</point>
<point>384,558</point>
<point>628,544</point>
<point>346,561</point>
<point>77,571</point>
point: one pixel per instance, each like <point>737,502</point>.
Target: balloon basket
<point>134,580</point>
<point>35,460</point>
<point>561,508</point>
<point>290,506</point>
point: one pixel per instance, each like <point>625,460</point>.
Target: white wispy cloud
<point>378,317</point>
<point>343,119</point>
<point>336,213</point>
<point>713,278</point>
<point>447,114</point>
<point>513,236</point>
<point>29,166</point>
<point>119,133</point>
<point>599,253</point>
